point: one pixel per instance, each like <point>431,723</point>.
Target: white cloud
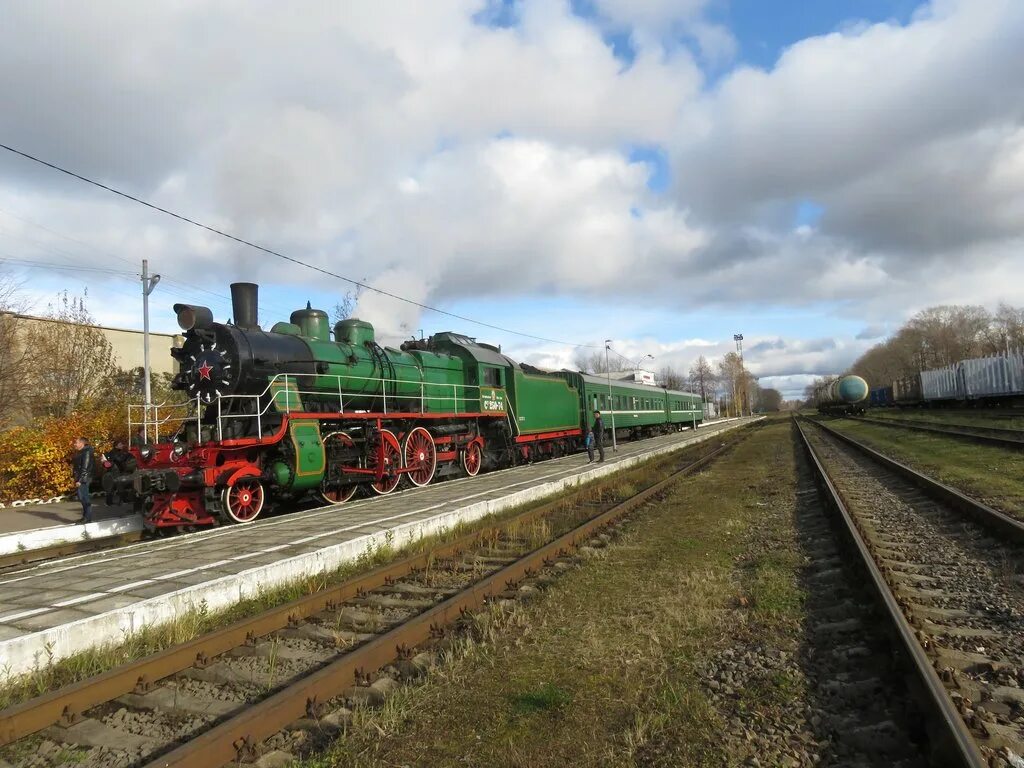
<point>405,144</point>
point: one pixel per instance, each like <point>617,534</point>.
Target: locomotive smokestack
<point>245,305</point>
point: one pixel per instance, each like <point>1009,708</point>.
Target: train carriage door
<point>492,389</point>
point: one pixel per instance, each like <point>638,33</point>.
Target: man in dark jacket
<point>598,431</point>
<point>84,469</point>
<point>118,459</point>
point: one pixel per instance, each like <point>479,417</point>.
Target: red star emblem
<point>204,370</point>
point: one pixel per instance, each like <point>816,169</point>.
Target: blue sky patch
<point>499,14</point>
<point>808,214</point>
<point>763,29</point>
<point>656,159</point>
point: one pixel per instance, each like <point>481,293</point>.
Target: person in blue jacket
<point>588,441</point>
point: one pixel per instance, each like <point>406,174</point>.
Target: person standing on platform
<point>598,431</point>
<point>589,443</point>
<point>84,468</point>
<point>118,458</point>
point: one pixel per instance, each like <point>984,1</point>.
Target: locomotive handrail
<point>272,397</point>
<point>192,409</point>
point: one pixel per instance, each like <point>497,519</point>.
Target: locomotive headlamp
<point>179,449</point>
<point>191,316</point>
<point>145,452</point>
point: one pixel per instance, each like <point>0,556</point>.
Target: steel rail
<point>64,549</point>
<point>67,704</point>
<point>1004,438</point>
<point>965,750</point>
<point>998,521</point>
<point>239,738</point>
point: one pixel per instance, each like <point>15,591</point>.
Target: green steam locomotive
<point>304,408</point>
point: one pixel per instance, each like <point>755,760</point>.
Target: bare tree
<point>941,336</point>
<point>590,361</point>
<point>343,309</point>
<point>811,390</point>
<point>1006,332</point>
<point>730,379</point>
<point>703,377</point>
<point>73,360</point>
<point>15,358</point>
<point>671,378</point>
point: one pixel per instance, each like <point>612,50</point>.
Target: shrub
<point>36,459</point>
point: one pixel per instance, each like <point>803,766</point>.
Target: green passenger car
<point>639,408</point>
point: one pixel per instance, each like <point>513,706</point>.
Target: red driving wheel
<point>243,501</point>
<point>392,461</point>
<point>472,459</point>
<point>420,455</point>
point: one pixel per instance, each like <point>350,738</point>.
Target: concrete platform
<point>59,514</point>
<point>56,609</point>
<point>117,520</point>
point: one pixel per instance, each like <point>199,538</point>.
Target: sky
<point>662,173</point>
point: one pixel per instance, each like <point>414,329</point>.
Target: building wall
<point>127,345</point>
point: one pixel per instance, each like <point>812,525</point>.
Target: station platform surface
<point>56,609</point>
<point>32,517</point>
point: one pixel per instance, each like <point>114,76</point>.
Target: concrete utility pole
<point>148,284</point>
<point>608,374</point>
<point>738,338</point>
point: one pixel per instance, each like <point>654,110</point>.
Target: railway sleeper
<point>90,732</point>
<point>338,638</point>
<point>172,700</point>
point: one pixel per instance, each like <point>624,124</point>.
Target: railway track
<point>1005,438</point>
<point>285,679</point>
<point>945,570</point>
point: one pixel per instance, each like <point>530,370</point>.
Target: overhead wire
<point>224,300</point>
<point>277,254</point>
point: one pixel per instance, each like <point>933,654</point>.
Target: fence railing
<point>285,393</point>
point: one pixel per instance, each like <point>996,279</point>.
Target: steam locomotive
<point>277,415</point>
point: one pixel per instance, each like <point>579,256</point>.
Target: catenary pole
<point>148,284</point>
<point>608,374</point>
<point>738,338</point>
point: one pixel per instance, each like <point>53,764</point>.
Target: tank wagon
<point>847,394</point>
<point>307,409</point>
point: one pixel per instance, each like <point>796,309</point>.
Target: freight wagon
<point>977,381</point>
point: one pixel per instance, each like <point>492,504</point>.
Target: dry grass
<point>602,671</point>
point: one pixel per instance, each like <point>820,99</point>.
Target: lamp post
<point>608,375</point>
<point>148,284</point>
<point>642,359</point>
<point>738,338</point>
